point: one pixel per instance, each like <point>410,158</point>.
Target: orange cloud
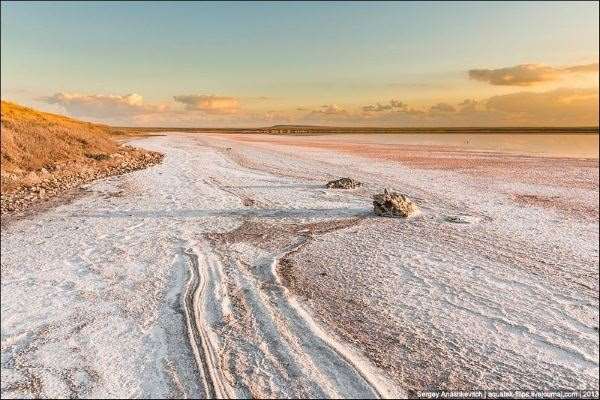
<point>556,107</point>
<point>561,107</point>
<point>528,74</point>
<point>209,104</point>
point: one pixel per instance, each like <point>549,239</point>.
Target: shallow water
<point>557,145</point>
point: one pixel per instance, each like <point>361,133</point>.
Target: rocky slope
<point>44,155</point>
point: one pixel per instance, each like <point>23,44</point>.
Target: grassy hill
<point>32,140</point>
<point>43,154</point>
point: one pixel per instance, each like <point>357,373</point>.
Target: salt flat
<point>230,271</point>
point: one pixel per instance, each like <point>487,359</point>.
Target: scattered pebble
<point>56,182</point>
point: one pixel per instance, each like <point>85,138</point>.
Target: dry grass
<point>32,140</point>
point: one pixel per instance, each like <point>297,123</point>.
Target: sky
<point>211,64</point>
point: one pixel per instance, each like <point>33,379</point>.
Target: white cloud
<point>102,106</point>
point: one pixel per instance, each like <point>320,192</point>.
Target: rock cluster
<point>392,204</point>
<point>343,183</point>
<point>35,186</point>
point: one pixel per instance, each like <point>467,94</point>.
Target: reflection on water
<point>558,145</point>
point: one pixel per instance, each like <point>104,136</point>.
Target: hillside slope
<point>32,140</point>
<point>44,154</point>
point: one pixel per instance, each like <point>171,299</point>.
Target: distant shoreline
<point>399,147</point>
<point>294,130</point>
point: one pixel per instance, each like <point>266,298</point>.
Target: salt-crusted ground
<point>229,270</point>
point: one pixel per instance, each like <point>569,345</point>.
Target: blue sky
<point>281,57</point>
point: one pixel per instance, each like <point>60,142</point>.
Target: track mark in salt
<point>204,350</point>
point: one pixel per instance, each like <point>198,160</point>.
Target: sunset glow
<point>260,64</point>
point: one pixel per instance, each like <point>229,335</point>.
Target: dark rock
<point>343,183</point>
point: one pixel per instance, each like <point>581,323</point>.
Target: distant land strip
<point>332,130</point>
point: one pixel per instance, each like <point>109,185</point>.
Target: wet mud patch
<point>273,236</point>
<point>382,342</point>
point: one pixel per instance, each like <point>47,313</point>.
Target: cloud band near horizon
<point>529,74</point>
<point>564,106</point>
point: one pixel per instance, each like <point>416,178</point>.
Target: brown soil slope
<point>44,154</point>
<point>32,140</point>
